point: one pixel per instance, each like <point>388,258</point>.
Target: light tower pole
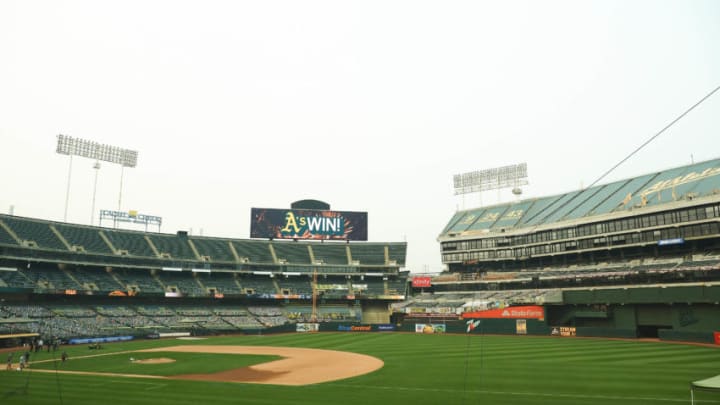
<point>96,166</point>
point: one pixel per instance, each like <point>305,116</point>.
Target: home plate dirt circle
<point>298,366</point>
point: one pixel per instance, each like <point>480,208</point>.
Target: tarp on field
<point>708,384</point>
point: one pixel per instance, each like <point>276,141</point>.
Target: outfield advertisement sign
<point>425,311</point>
<point>174,334</point>
<point>364,328</point>
<point>354,328</point>
<point>421,282</point>
<point>668,242</point>
<point>282,296</point>
<point>430,328</point>
<point>520,312</point>
<point>564,331</point>
<point>307,327</point>
<point>271,223</point>
<point>108,339</point>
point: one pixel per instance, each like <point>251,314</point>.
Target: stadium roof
<point>659,189</point>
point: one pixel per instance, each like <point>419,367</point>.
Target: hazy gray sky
<point>368,105</point>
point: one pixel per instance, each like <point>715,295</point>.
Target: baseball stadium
<point>607,294</point>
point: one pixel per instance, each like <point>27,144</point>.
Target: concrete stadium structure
<point>638,257</point>
<point>66,280</point>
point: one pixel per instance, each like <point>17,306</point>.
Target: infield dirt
<point>298,366</point>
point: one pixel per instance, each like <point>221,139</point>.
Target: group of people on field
<point>24,360</point>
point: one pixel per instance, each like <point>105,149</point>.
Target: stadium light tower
<point>67,145</point>
<point>492,179</point>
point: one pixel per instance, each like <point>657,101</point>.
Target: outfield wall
<point>667,321</point>
<point>486,326</point>
<point>709,294</point>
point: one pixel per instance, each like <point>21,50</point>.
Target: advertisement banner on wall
<point>564,331</point>
<point>521,326</point>
<point>108,339</point>
<point>307,327</point>
<point>421,282</point>
<point>430,328</point>
<point>272,223</point>
<point>520,312</point>
<point>354,328</point>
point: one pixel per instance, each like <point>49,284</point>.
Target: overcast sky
<point>367,105</point>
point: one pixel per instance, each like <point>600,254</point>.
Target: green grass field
<point>419,369</point>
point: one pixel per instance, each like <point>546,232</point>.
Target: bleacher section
<point>142,279</point>
<point>268,316</point>
<point>678,213</point>
<point>295,284</point>
<point>134,243</point>
<point>258,284</point>
<point>96,279</point>
<point>369,286</point>
<point>87,238</point>
<point>396,287</point>
<point>218,250</point>
<point>57,279</point>
<point>5,237</point>
<point>239,317</point>
<point>66,280</point>
<point>85,245</point>
<point>183,282</point>
<point>37,232</point>
<point>176,247</point>
<point>370,254</point>
<point>683,184</point>
<point>329,286</point>
<point>444,304</point>
<point>330,253</point>
<point>668,270</point>
<point>292,252</point>
<point>254,251</point>
<point>223,283</point>
<point>397,253</point>
<point>66,321</point>
<point>17,279</point>
<point>325,313</point>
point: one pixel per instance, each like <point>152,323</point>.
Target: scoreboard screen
<point>272,223</point>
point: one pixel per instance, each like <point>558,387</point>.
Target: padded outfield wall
<point>684,313</point>
<point>689,313</point>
